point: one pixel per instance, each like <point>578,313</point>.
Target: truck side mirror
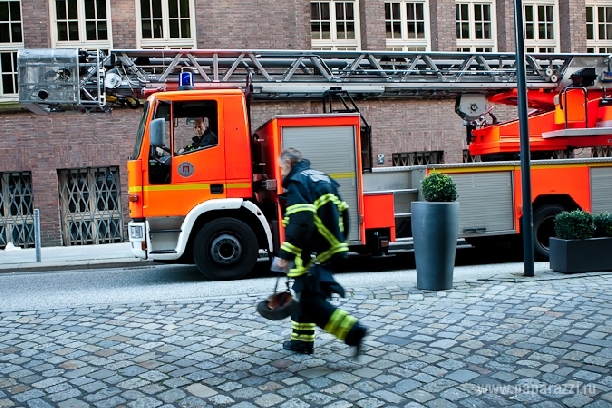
<point>156,135</point>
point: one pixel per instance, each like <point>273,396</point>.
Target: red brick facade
<point>44,144</point>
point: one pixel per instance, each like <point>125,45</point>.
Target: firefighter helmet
<point>278,306</point>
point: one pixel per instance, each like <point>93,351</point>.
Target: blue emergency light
<point>185,81</point>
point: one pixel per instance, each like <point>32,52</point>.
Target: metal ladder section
<point>51,78</point>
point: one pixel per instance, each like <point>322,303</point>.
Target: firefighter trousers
<point>315,310</point>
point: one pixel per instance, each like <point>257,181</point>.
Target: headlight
<point>136,231</point>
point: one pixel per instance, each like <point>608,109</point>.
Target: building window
<point>541,26</point>
<point>81,23</point>
<point>16,209</point>
<point>475,26</point>
<point>11,40</point>
<point>407,25</point>
<point>90,206</point>
<point>166,24</point>
<point>334,25</point>
<point>599,27</point>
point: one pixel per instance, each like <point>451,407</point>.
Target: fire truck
<point>216,205</point>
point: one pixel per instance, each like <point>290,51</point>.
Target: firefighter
<point>316,227</point>
<point>203,136</point>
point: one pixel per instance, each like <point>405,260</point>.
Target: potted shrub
<point>435,226</point>
<point>582,242</point>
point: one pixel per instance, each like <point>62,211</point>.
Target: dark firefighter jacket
<point>316,219</point>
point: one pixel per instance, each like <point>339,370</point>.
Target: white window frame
<point>537,45</point>
<point>83,42</point>
<point>166,41</point>
<point>597,44</point>
<point>13,48</point>
<point>404,43</point>
<point>473,44</point>
<point>334,43</point>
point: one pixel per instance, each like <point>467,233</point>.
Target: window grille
<point>418,158</point>
<point>90,206</point>
<point>16,209</point>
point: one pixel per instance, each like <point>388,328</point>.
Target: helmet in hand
<point>279,306</point>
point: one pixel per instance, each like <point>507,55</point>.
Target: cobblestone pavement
<point>528,342</point>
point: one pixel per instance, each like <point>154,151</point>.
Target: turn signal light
<point>132,198</point>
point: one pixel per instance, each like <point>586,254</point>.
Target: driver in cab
<point>203,136</point>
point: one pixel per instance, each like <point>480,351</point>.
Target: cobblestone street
<point>539,342</point>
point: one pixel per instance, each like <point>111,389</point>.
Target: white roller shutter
<point>332,150</point>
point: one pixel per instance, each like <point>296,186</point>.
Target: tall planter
<point>435,226</point>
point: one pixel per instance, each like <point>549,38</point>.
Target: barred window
<point>334,25</point>
<point>407,25</point>
<point>166,24</point>
<point>16,209</point>
<point>81,24</point>
<point>90,206</point>
<point>11,40</point>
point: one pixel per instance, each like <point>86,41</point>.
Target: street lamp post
<point>527,223</point>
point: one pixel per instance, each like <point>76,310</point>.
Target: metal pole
<point>37,234</point>
<point>527,224</point>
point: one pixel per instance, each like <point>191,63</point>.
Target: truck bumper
<point>138,238</point>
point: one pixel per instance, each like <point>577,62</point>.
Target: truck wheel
<point>225,249</point>
<point>544,228</point>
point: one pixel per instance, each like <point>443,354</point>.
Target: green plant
<point>438,187</point>
<point>603,224</point>
<point>575,224</point>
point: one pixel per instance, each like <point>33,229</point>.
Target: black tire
<point>225,249</point>
<point>544,228</point>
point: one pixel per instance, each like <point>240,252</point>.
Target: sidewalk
<point>70,258</point>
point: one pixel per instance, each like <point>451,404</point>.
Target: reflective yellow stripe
<point>289,247</point>
<point>299,269</point>
<point>285,221</point>
<point>342,175</point>
<point>296,208</point>
<point>345,326</point>
<point>183,187</point>
<point>326,198</point>
<point>334,321</point>
<point>340,323</point>
<point>302,326</point>
<point>324,256</point>
<point>309,338</point>
<point>333,241</point>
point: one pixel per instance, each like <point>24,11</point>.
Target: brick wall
<point>263,24</point>
<point>505,25</point>
<point>372,25</point>
<point>443,27</point>
<point>35,18</point>
<point>123,24</point>
<point>43,144</point>
<point>572,19</point>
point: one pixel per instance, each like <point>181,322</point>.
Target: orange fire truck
<point>216,206</point>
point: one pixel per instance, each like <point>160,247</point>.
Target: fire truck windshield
<point>140,134</point>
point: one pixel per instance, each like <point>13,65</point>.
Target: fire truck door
<point>197,163</point>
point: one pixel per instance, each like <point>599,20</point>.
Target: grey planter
<point>435,227</point>
<point>580,255</point>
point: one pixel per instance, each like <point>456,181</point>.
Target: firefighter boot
<point>299,346</point>
<point>355,337</point>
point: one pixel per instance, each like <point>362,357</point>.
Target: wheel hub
<point>225,249</point>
